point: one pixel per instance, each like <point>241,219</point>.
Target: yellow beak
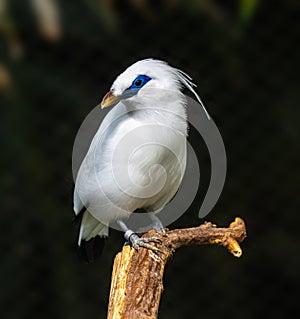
<point>109,99</point>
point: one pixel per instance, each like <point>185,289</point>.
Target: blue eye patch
<point>139,82</point>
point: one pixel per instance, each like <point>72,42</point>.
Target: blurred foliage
<point>247,9</point>
<point>58,58</point>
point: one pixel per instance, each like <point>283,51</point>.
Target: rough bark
<point>137,277</point>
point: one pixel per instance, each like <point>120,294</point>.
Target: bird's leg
<point>136,242</point>
<point>157,224</point>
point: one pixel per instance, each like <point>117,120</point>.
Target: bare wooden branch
<point>137,278</point>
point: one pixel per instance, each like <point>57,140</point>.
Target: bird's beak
<point>109,99</point>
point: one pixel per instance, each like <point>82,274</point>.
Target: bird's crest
<point>182,78</point>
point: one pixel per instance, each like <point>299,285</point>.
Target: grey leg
<point>136,242</point>
<point>157,225</point>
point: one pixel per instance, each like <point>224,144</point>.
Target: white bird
<point>137,158</point>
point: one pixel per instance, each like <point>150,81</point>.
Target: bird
<point>137,158</point>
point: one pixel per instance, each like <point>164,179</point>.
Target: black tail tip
<point>89,251</point>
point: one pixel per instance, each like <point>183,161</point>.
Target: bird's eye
<point>138,83</point>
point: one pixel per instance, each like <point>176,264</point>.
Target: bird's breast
<point>140,163</point>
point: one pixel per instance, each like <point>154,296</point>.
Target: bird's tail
<point>91,238</point>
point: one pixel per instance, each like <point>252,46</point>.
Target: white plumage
<point>137,157</point>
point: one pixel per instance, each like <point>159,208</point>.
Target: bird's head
<point>141,78</point>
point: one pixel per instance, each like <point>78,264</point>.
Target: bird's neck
<point>171,113</point>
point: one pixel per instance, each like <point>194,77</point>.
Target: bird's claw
<point>157,224</point>
<point>161,230</point>
<point>137,242</point>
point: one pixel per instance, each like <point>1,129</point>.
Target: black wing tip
<point>89,251</point>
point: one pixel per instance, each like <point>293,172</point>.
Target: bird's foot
<point>157,224</point>
<point>136,242</point>
<point>159,229</point>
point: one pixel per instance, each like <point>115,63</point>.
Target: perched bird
<point>137,158</point>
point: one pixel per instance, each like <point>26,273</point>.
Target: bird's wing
<point>77,203</point>
<point>109,122</point>
<point>85,170</point>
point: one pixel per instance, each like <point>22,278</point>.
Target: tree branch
<point>137,277</point>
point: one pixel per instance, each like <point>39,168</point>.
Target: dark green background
<point>243,55</point>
